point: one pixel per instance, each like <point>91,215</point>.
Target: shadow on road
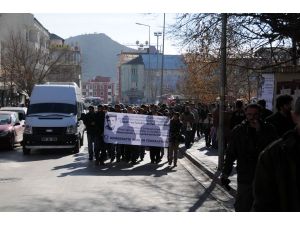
<point>82,167</point>
<point>16,155</point>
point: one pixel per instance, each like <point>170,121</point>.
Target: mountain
<point>99,54</point>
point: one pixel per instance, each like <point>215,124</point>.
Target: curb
<point>214,175</point>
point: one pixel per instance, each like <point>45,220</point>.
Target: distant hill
<point>99,54</point>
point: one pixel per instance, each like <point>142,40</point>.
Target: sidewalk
<point>207,160</point>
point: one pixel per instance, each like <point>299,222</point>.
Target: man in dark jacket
<point>277,177</point>
<point>90,122</point>
<point>238,115</point>
<point>264,113</point>
<point>101,151</point>
<point>174,138</point>
<point>282,119</point>
<point>248,140</point>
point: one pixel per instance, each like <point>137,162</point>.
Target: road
<point>55,180</point>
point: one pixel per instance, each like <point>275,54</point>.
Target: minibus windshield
<point>52,108</point>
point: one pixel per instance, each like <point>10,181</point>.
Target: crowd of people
<point>186,121</point>
<point>265,146</point>
<point>262,143</point>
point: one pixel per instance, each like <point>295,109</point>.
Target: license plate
<point>49,138</point>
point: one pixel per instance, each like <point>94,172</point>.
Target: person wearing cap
<point>277,176</point>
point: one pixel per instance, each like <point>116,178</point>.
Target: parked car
<point>11,130</point>
<point>20,110</point>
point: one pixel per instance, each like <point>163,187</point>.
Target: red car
<point>11,131</point>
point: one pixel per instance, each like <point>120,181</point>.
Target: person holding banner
<point>100,117</point>
<point>174,138</point>
<point>90,121</point>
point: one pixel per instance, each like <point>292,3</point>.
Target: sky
<point>118,18</point>
<point>119,27</point>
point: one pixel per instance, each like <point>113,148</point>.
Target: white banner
<point>267,89</point>
<point>136,129</point>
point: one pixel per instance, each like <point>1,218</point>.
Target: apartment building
<point>22,26</point>
<point>101,87</point>
<point>68,67</point>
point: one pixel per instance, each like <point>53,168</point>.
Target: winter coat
<point>187,118</point>
<point>277,177</point>
<point>265,113</point>
<point>245,146</point>
<point>175,130</point>
<point>237,117</point>
<point>90,123</point>
<point>281,123</point>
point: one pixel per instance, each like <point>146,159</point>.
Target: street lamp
<point>157,34</point>
<point>149,27</point>
<point>162,59</point>
<point>147,80</point>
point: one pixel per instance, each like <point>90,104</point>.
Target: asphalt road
<point>56,180</point>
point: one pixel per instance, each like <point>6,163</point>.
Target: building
<point>124,57</point>
<point>283,77</point>
<point>173,72</point>
<point>25,27</point>
<point>140,76</point>
<point>101,87</point>
<point>68,67</point>
<point>132,81</point>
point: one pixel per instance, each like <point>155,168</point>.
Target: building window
<point>134,77</point>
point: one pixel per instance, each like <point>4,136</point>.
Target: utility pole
<point>149,64</point>
<point>162,60</point>
<point>221,142</point>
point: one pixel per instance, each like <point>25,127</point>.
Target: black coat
<point>175,130</point>
<point>236,118</point>
<point>244,147</point>
<point>89,121</point>
<point>100,120</point>
<point>277,177</point>
<point>281,123</point>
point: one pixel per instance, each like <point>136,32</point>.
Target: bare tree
<point>27,63</point>
<point>255,42</point>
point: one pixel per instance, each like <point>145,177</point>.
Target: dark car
<point>11,131</point>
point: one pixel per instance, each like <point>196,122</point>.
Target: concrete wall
<point>127,78</point>
<point>14,22</point>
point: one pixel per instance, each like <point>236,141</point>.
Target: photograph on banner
<point>136,129</point>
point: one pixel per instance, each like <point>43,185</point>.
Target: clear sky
<point>119,27</point>
<point>117,18</point>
